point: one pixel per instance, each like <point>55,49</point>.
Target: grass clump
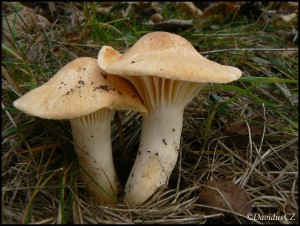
<point>245,131</point>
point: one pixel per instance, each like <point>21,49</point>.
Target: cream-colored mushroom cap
<point>77,89</point>
<point>165,55</point>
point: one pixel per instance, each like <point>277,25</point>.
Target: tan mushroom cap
<point>165,55</point>
<point>77,89</point>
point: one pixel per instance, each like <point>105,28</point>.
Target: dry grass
<point>246,131</point>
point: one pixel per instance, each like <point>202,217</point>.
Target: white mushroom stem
<point>161,132</point>
<point>157,154</point>
<point>92,139</point>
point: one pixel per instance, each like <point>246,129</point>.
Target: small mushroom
<point>168,73</point>
<point>80,93</point>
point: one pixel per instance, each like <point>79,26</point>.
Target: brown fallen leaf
<point>280,20</point>
<point>138,8</point>
<point>189,8</point>
<point>49,10</point>
<point>256,125</point>
<point>224,194</point>
<point>9,7</point>
<point>171,25</point>
<point>220,9</point>
<point>24,22</point>
<point>288,7</point>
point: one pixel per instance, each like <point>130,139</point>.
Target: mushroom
<point>168,73</point>
<point>88,97</point>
